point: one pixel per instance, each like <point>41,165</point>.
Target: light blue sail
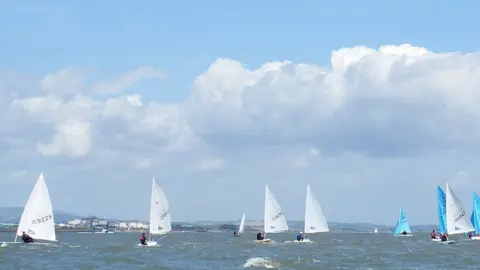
<point>475,218</point>
<point>442,219</point>
<point>402,225</point>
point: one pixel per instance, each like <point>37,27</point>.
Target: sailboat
<point>160,221</point>
<point>402,228</point>
<point>37,219</point>
<point>456,217</point>
<point>274,220</point>
<point>441,206</point>
<point>315,221</point>
<point>241,227</point>
<point>105,229</point>
<point>475,217</point>
<point>375,230</point>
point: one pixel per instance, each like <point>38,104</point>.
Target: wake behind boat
<point>402,228</point>
<point>274,220</point>
<point>37,220</point>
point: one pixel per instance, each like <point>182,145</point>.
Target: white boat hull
<point>475,238</point>
<point>448,242</point>
<point>263,241</point>
<point>306,241</point>
<point>149,244</point>
<point>5,244</point>
<point>402,235</point>
<point>443,242</point>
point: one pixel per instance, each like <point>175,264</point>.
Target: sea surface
<point>208,250</point>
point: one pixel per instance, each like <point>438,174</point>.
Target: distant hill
<point>12,215</point>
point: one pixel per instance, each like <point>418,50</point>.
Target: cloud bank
<point>260,125</point>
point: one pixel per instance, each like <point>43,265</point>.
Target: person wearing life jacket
<point>143,239</point>
<point>432,234</point>
<point>26,238</point>
<point>259,236</point>
<point>300,236</point>
<point>470,234</point>
<point>444,237</point>
<point>234,233</point>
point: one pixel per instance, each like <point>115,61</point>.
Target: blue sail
<point>475,218</point>
<point>442,219</point>
<point>402,225</point>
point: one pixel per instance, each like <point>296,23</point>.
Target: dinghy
<point>402,228</point>
<point>315,221</point>
<point>274,220</point>
<point>442,219</point>
<point>375,231</point>
<point>37,219</point>
<point>241,227</point>
<point>160,221</point>
<point>475,217</point>
<point>456,217</point>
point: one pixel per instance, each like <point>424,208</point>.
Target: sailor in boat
<point>404,232</point>
<point>26,238</point>
<point>300,236</point>
<point>444,237</point>
<point>143,239</point>
<point>432,234</point>
<point>234,233</point>
<point>259,236</point>
<point>470,234</point>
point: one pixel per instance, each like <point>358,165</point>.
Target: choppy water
<point>222,251</point>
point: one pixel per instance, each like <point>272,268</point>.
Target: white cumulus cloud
<point>359,124</point>
<point>124,81</point>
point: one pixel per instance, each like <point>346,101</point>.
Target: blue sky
<point>237,151</point>
<point>184,37</point>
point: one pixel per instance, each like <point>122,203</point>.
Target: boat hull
<point>263,241</point>
<point>149,244</point>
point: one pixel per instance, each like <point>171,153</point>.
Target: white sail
<point>160,222</point>
<point>241,228</point>
<point>375,231</point>
<point>37,218</point>
<point>274,220</point>
<point>315,221</point>
<point>458,221</point>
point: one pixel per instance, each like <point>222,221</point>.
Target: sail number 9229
<point>42,219</point>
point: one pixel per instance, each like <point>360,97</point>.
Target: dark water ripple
<point>222,251</point>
